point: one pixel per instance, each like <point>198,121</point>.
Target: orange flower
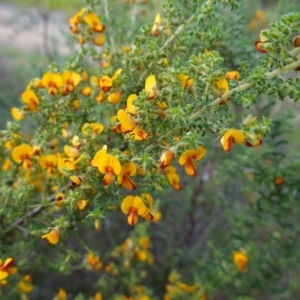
<point>29,97</point>
<point>240,259</point>
<point>139,134</point>
<point>86,91</point>
<point>53,236</point>
<point>187,159</point>
<point>75,20</point>
<point>59,199</point>
<point>94,261</point>
<point>279,181</point>
<point>151,87</point>
<point>109,165</point>
<point>134,206</point>
<point>6,269</point>
<point>52,81</point>
<point>70,80</point>
<point>75,181</point>
<point>258,47</point>
<point>296,41</point>
<point>25,284</point>
<point>128,169</point>
<point>260,43</point>
<point>166,158</point>
<point>94,22</point>
<point>173,177</point>
<point>48,162</point>
<point>232,136</point>
<point>61,295</point>
<point>22,154</point>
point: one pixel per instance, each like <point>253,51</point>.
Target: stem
<point>181,28</point>
<point>106,12</point>
<point>240,88</point>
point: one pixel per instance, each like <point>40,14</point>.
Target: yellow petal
<point>114,97</point>
<point>53,236</point>
<point>99,40</point>
<point>126,121</point>
<point>109,163</point>
<point>17,114</point>
<point>151,86</point>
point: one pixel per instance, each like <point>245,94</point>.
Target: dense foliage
<point>158,161</point>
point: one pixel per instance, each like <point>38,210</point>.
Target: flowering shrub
<point>119,130</point>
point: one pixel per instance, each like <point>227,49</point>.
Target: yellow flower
<point>166,158</point>
<point>48,162</point>
<point>53,236</point>
<point>106,83</point>
<point>115,97</point>
<point>128,169</point>
<point>17,113</point>
<point>157,26</point>
<point>148,200</point>
<point>254,142</point>
<point>110,166</point>
<point>127,123</point>
<point>71,151</point>
<point>232,136</point>
<point>99,40</point>
<point>59,199</point>
<point>22,154</point>
<point>52,81</point>
<point>86,91</point>
<point>240,259</point>
<point>82,204</point>
<point>98,296</point>
<point>187,159</point>
<point>96,128</point>
<point>25,284</point>
<point>94,22</point>
<point>130,107</point>
<point>75,20</point>
<point>61,295</point>
<point>134,206</point>
<point>98,155</point>
<point>75,181</point>
<point>94,261</point>
<point>186,81</point>
<point>6,269</point>
<point>233,75</point>
<point>139,134</point>
<point>173,177</point>
<point>144,242</point>
<point>151,87</point>
<point>221,85</point>
<point>70,80</point>
<point>29,97</point>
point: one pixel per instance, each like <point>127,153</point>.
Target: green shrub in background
<point>161,164</point>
